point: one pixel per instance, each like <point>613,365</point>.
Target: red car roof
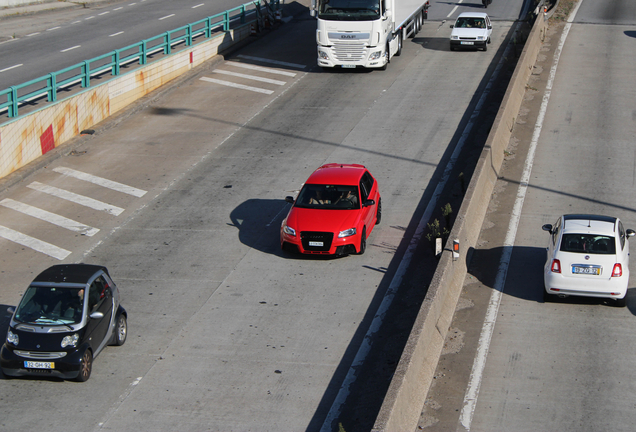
<point>337,174</point>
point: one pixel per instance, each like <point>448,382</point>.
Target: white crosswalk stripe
<point>76,198</point>
<point>250,77</point>
<point>33,243</point>
<point>238,86</point>
<point>276,62</point>
<point>46,216</point>
<point>261,69</point>
<point>110,184</point>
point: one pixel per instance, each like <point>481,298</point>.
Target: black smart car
<point>66,317</point>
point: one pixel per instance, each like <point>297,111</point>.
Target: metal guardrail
<point>81,73</point>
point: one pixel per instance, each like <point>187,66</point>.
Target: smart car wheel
<point>121,330</point>
<point>378,213</point>
<point>363,241</point>
<point>86,366</point>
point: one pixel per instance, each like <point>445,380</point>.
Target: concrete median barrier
<point>28,137</point>
<point>409,387</point>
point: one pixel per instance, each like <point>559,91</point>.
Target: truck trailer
<point>365,33</point>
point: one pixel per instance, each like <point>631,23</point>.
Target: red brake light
<point>617,271</point>
<point>556,266</point>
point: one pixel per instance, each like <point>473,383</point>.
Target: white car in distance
<point>588,256</point>
<point>471,30</point>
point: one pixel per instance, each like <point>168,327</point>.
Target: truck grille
<point>349,50</point>
<point>314,236</point>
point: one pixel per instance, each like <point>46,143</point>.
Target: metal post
<point>51,85</point>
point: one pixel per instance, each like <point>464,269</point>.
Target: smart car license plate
<point>586,270</point>
<point>317,244</point>
<point>39,365</point>
<point>468,43</point>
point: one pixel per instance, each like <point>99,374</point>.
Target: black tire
<point>363,242</point>
<point>86,366</point>
<point>399,50</point>
<point>378,212</point>
<point>485,48</point>
<point>547,297</point>
<point>121,330</point>
<point>621,303</point>
<point>452,48</point>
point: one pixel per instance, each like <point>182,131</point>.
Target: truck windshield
<point>349,10</point>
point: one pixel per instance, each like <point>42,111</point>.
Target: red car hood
<point>303,219</point>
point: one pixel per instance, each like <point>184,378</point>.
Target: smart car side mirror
<point>289,199</point>
<point>96,315</point>
<point>547,227</point>
<point>10,310</point>
<point>630,233</point>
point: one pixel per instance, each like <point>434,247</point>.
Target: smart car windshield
<point>51,306</point>
<point>335,197</point>
<point>588,244</point>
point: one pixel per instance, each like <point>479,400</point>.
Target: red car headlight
<point>347,233</point>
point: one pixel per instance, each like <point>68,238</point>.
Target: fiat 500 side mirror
<point>547,227</point>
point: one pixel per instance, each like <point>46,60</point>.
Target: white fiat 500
<point>471,30</point>
<point>587,255</point>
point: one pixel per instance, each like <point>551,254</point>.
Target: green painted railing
<point>50,85</point>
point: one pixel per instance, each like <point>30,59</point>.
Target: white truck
<point>365,33</point>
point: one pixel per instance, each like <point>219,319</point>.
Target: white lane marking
<point>120,7</point>
<point>365,347</point>
<point>11,67</point>
<point>238,86</point>
<point>474,383</point>
<point>76,198</point>
<point>76,22</point>
<point>132,4</point>
<point>100,181</point>
<point>90,17</point>
<point>454,9</point>
<point>104,13</point>
<point>33,34</point>
<point>167,16</point>
<point>276,62</point>
<point>199,5</point>
<point>116,34</point>
<point>261,69</point>
<point>46,216</point>
<point>54,28</point>
<point>33,243</point>
<point>250,77</point>
<point>71,48</point>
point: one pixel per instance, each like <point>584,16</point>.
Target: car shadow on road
<point>524,275</point>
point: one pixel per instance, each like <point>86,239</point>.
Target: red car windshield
<point>333,197</point>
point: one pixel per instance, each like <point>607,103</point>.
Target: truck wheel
<point>386,55</point>
<point>399,48</point>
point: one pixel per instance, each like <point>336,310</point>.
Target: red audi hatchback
<point>334,212</point>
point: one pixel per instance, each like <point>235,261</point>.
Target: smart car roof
<point>472,15</point>
<point>591,224</point>
<point>69,273</point>
<point>337,174</point>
